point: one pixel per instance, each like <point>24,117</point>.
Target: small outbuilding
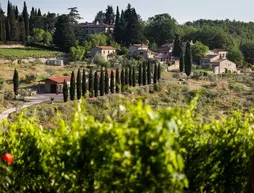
<point>53,84</point>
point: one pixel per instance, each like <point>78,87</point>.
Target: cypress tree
<point>140,75</point>
<point>177,47</point>
<point>106,82</point>
<point>90,84</point>
<point>12,28</point>
<point>144,73</point>
<point>149,73</point>
<point>130,77</point>
<point>112,82</point>
<point>72,87</point>
<point>31,20</point>
<point>96,84</point>
<point>133,77</point>
<point>155,74</point>
<point>188,59</point>
<point>16,13</point>
<point>117,31</point>
<point>117,81</point>
<point>2,26</point>
<point>39,12</point>
<point>79,85</point>
<point>8,29</point>
<point>159,72</point>
<point>122,81</point>
<point>181,65</point>
<point>102,83</point>
<point>26,19</point>
<point>84,83</point>
<point>22,31</point>
<point>65,91</point>
<point>15,82</point>
<point>126,81</point>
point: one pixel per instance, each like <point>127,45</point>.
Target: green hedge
<point>167,151</point>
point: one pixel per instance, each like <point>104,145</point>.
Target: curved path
<point>34,100</point>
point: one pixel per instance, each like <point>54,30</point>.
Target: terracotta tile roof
<point>140,45</point>
<point>59,79</point>
<point>94,25</point>
<point>106,47</point>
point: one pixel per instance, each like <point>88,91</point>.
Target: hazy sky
<point>181,10</point>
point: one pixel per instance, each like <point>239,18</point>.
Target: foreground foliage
<point>144,151</point>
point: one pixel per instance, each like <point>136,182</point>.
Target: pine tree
<point>64,36</point>
<point>159,72</point>
<point>84,83</point>
<point>106,82</point>
<point>16,13</point>
<point>90,84</point>
<point>79,85</point>
<point>177,47</point>
<point>133,33</point>
<point>65,91</point>
<point>149,72</point>
<point>130,77</point>
<point>144,73</point>
<point>39,13</point>
<point>188,59</point>
<point>109,15</point>
<point>96,84</point>
<point>122,81</point>
<point>155,74</point>
<point>112,82</point>
<point>26,19</point>
<point>181,65</point>
<point>15,82</point>
<point>72,87</point>
<point>102,84</point>
<point>117,81</point>
<point>140,75</point>
<point>133,77</point>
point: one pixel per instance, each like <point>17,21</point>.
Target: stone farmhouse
<point>141,50</point>
<point>219,62</point>
<point>104,51</point>
<point>165,52</point>
<point>53,84</point>
<point>86,29</point>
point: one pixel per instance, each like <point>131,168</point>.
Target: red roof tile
<point>106,47</point>
<point>60,79</point>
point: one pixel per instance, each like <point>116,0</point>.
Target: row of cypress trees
<point>98,82</point>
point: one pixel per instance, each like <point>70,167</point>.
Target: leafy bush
<point>139,154</point>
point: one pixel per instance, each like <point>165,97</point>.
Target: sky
<point>181,10</point>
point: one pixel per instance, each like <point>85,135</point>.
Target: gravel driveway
<point>34,100</point>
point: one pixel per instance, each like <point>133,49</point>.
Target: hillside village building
<point>86,29</point>
<point>219,62</point>
<point>141,50</point>
<point>53,84</point>
<point>104,51</point>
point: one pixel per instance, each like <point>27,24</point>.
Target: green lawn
<point>20,53</point>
